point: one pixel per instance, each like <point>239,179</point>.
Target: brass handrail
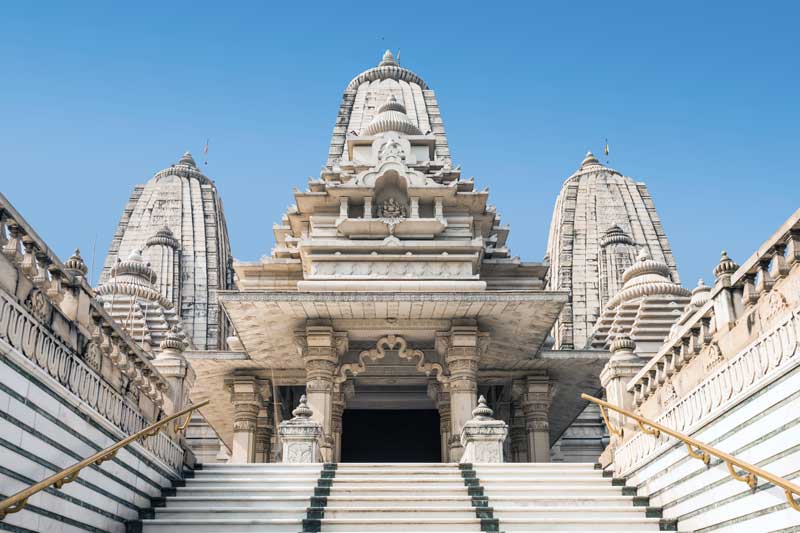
<point>15,503</point>
<point>703,452</point>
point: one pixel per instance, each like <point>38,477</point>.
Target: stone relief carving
<point>392,209</point>
<point>391,342</point>
<point>771,306</point>
<point>713,356</point>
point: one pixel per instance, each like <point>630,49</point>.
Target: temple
<point>378,366</point>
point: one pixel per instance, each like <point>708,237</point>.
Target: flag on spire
<point>606,147</point>
<point>205,152</point>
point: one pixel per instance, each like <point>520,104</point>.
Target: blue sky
<point>699,100</point>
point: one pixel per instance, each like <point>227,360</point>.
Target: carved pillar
<point>336,425</point>
<point>464,344</point>
<point>247,402</point>
<point>441,399</point>
<point>264,430</point>
<point>623,365</point>
<point>537,417</point>
<point>518,434</point>
<point>320,348</point>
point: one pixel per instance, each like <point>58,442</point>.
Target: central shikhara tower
<point>390,290</point>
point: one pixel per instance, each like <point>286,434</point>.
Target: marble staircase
<point>385,497</point>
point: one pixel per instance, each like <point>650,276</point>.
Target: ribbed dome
<point>646,277</point>
<point>391,116</point>
<point>700,294</point>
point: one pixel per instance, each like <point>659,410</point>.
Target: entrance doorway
<point>391,436</point>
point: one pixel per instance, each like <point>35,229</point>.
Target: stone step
<point>563,500</point>
<point>580,524</point>
<point>221,526</point>
<point>410,512</point>
<point>392,501</point>
<point>236,513</point>
<point>521,512</point>
<point>260,502</point>
<point>538,480</point>
<point>245,490</point>
<point>400,524</point>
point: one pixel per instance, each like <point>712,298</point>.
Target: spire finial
<point>75,264</point>
<point>187,159</point>
<point>482,411</point>
<point>387,60</point>
<point>302,410</point>
<point>589,160</point>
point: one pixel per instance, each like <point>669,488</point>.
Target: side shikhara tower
<point>176,223</point>
<point>600,222</point>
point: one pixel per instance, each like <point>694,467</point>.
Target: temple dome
<point>391,116</point>
<point>388,68</point>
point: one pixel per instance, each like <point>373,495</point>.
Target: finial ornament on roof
<point>700,294</point>
<point>187,159</point>
<point>622,343</point>
<point>589,160</point>
<point>174,340</point>
<point>725,267</point>
<point>482,411</point>
<point>302,410</point>
<point>387,60</point>
<point>75,264</point>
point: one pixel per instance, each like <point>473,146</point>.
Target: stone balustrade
<point>49,314</point>
<point>736,291</point>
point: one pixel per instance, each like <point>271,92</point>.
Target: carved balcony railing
<point>775,352</point>
<point>748,284</point>
<point>51,317</point>
<point>698,450</point>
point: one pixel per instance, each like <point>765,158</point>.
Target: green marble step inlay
<point>315,512</point>
<point>480,502</point>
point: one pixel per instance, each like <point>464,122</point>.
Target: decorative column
<point>336,425</point>
<point>301,436</point>
<point>464,344</point>
<point>320,348</point>
<point>623,365</point>
<point>263,435</point>
<point>483,436</point>
<point>247,402</point>
<point>441,399</point>
<point>171,364</point>
<point>519,436</point>
<point>537,417</point>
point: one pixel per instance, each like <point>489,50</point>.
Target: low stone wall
<point>45,427</point>
<point>748,407</point>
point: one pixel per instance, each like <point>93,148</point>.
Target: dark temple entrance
<point>391,436</point>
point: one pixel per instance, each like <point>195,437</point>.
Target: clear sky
<point>699,100</point>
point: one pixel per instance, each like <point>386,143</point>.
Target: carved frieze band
<point>24,332</point>
<point>392,269</point>
<point>730,383</point>
<point>391,342</point>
